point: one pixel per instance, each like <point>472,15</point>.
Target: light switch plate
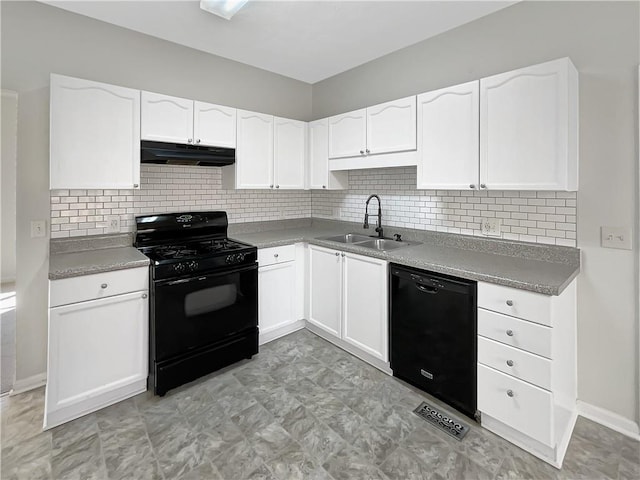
<point>491,226</point>
<point>616,237</point>
<point>38,228</point>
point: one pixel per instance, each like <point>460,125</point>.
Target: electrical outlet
<point>491,226</point>
<point>38,228</point>
<point>112,224</point>
<point>616,237</point>
<point>336,212</point>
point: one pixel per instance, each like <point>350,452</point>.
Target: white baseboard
<point>609,419</point>
<point>29,383</point>
<point>272,334</point>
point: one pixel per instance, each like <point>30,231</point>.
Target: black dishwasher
<point>433,334</point>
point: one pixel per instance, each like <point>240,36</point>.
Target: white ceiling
<point>304,40</point>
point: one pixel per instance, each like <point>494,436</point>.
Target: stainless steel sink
<point>384,245</point>
<point>347,238</point>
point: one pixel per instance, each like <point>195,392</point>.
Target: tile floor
<point>302,408</point>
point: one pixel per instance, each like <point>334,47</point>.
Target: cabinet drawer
<point>531,306</point>
<point>518,404</point>
<point>518,333</point>
<point>269,256</point>
<point>513,361</point>
<point>97,285</point>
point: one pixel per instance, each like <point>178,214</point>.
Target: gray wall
<point>9,124</point>
<point>38,39</point>
<point>602,39</point>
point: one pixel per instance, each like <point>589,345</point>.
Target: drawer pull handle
<point>510,393</point>
<point>144,295</point>
<point>510,303</point>
<point>510,363</point>
<point>337,254</point>
<point>103,286</point>
<point>275,255</point>
<point>510,333</point>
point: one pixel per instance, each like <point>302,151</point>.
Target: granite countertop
<point>93,255</point>
<point>542,269</point>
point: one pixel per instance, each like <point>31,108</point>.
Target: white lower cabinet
<point>98,347</point>
<point>280,291</point>
<point>348,299</point>
<point>527,367</point>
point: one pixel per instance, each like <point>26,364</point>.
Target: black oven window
<point>210,300</point>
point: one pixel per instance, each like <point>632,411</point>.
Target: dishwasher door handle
<point>426,289</point>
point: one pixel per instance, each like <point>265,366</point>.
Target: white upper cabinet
<point>180,120</point>
<point>166,119</point>
<point>448,138</point>
<point>290,151</point>
<point>214,125</point>
<point>254,151</point>
<point>529,128</point>
<point>348,134</point>
<point>386,128</point>
<point>319,175</point>
<point>94,135</point>
<point>391,126</point>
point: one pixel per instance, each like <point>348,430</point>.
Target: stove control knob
<point>179,267</point>
<point>192,265</point>
<point>229,259</point>
<point>240,257</point>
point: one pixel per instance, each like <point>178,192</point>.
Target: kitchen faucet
<point>366,215</point>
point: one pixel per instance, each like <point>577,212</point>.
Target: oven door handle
<point>186,280</point>
<point>183,281</point>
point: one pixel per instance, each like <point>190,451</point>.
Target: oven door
<point>194,312</point>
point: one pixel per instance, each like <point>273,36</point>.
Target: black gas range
<point>204,296</point>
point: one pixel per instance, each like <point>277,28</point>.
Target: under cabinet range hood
<point>179,154</point>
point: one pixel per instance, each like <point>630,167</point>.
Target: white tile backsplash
<point>541,217</point>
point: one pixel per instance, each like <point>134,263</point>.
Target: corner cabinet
<point>348,299</point>
<point>290,153</point>
<point>98,342</point>
<point>527,381</point>
<point>529,128</point>
<point>94,135</point>
<point>180,120</point>
<point>320,177</point>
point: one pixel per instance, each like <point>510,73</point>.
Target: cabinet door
<point>254,152</point>
<point>318,160</point>
<point>528,128</point>
<point>95,348</point>
<point>214,125</point>
<point>166,119</point>
<point>95,135</point>
<point>276,296</point>
<point>348,134</point>
<point>290,151</point>
<point>391,126</point>
<point>365,306</point>
<point>448,138</point>
<point>325,289</point>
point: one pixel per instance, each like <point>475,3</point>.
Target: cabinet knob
<point>144,295</point>
<point>510,363</point>
<point>337,254</point>
<point>103,286</point>
<point>361,152</point>
<point>472,186</point>
<point>189,140</point>
<point>343,254</point>
<point>482,185</point>
<point>510,333</point>
<point>368,151</point>
<point>270,186</point>
<point>135,185</point>
<point>277,186</point>
<point>324,186</point>
<point>275,255</point>
<point>510,393</point>
<point>510,303</point>
<point>198,141</point>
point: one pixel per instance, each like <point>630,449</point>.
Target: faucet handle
<point>397,237</point>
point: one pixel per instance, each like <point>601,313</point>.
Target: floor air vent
<point>445,422</point>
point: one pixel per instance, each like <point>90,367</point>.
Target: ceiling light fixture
<point>223,8</point>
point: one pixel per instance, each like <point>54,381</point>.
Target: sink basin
<point>385,245</point>
<point>348,238</point>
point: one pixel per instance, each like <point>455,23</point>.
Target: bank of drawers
<point>515,359</point>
